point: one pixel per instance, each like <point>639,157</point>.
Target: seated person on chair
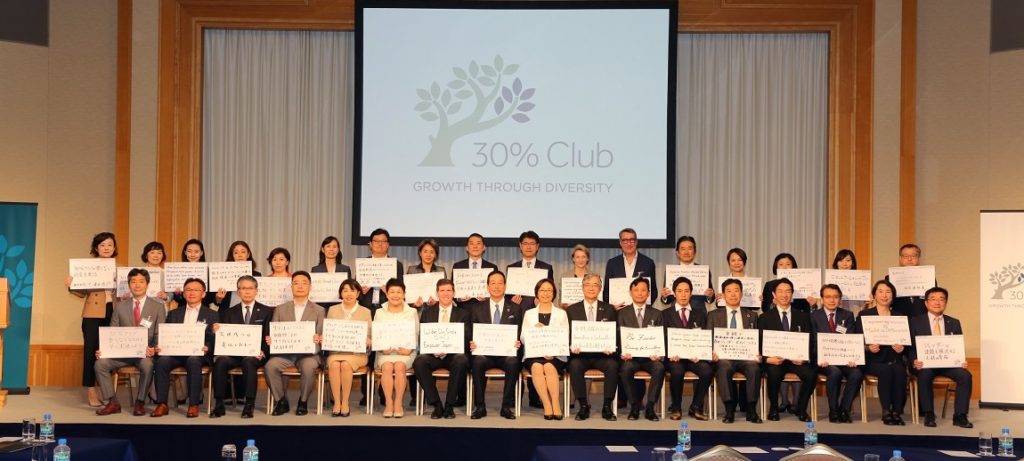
<point>497,309</point>
<point>936,323</point>
<point>735,317</point>
<point>300,308</point>
<point>545,372</point>
<point>342,365</point>
<point>592,309</point>
<point>782,316</point>
<point>443,311</point>
<point>246,312</point>
<point>393,362</point>
<point>682,314</point>
<point>194,312</point>
<point>639,314</point>
<point>832,319</point>
<point>138,310</point>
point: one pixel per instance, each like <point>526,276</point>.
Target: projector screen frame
<point>512,239</point>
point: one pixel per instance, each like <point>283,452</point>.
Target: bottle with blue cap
<point>250,453</point>
<point>897,455</point>
<point>62,452</point>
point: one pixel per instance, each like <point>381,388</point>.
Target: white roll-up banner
<point>1001,289</point>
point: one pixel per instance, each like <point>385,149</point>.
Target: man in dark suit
<point>498,309</point>
<point>475,249</point>
<point>631,263</point>
<point>444,311</point>
<point>137,310</point>
<point>194,312</point>
<point>703,297</point>
<point>247,312</point>
<point>639,314</point>
<point>911,306</point>
<point>935,322</point>
<point>593,310</point>
<point>683,315</point>
<point>831,319</point>
<point>529,245</point>
<point>374,297</point>
<point>735,317</point>
<point>783,317</point>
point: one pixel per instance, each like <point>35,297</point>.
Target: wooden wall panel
<point>54,365</point>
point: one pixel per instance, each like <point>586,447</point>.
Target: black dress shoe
<point>784,408</point>
<point>584,412</point>
<point>649,413</point>
<point>752,416</point>
<point>729,417</point>
<point>449,412</point>
<point>634,413</point>
<point>898,420</point>
<point>887,419</point>
<point>607,414</point>
<point>362,401</point>
<point>300,409</point>
<point>833,417</point>
<point>438,412</point>
<point>281,408</point>
<point>478,412</point>
<point>844,416</point>
<point>962,421</point>
<point>929,420</point>
<point>803,416</point>
<point>773,414</point>
<point>698,414</point>
<point>247,410</point>
<point>507,413</point>
<point>218,411</point>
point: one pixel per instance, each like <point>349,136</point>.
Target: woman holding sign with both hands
<point>341,365</point>
<point>545,371</point>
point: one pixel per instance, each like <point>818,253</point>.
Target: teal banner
<point>17,265</point>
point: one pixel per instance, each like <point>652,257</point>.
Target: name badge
<point>840,329</point>
<point>146,322</point>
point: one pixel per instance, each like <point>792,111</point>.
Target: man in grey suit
<point>300,308</point>
<point>138,310</point>
<point>735,317</point>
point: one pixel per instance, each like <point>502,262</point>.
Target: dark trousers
<point>223,364</point>
<point>457,366</point>
<point>194,376</point>
<point>578,366</point>
<point>510,365</point>
<point>776,373</point>
<point>892,384</point>
<point>751,370</point>
<point>677,370</point>
<point>925,391</point>
<point>90,344</point>
<point>833,381</point>
<point>657,372</point>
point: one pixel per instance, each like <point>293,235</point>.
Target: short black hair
<point>529,235</point>
<point>139,271</point>
<point>931,290</point>
<point>732,281</point>
<point>681,280</point>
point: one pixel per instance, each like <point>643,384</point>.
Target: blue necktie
<point>785,321</point>
<point>732,323</point>
<point>497,314</point>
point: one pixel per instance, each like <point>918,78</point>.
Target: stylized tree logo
<point>16,273</point>
<point>484,84</point>
<point>1009,277</point>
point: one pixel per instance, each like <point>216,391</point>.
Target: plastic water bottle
<point>897,455</point>
<point>229,452</point>
<point>679,455</point>
<point>1006,444</point>
<point>46,428</point>
<point>62,452</point>
<point>810,435</point>
<point>683,436</point>
<point>250,453</point>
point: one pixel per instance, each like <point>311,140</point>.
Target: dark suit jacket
<point>652,317</point>
<point>798,322</point>
<point>819,320</point>
<point>225,303</point>
<point>697,300</point>
<point>886,354</point>
<point>338,268</point>
<point>605,313</point>
<point>697,319</point>
<point>261,314</point>
<point>511,313</point>
<point>464,264</point>
<point>366,300</point>
<point>910,306</point>
<point>921,326</point>
<point>616,268</point>
<point>528,301</point>
<point>719,318</point>
<point>206,315</point>
<point>768,298</point>
<point>430,314</point>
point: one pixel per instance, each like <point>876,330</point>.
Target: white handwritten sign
<point>494,340</point>
<point>325,286</point>
<point>751,291</point>
<point>522,281</point>
<point>789,345</point>
<point>421,286</point>
<point>643,342</point>
<point>856,284</point>
<point>394,334</point>
<point>238,340</point>
<point>593,336</point>
<point>886,330</point>
<point>618,290</point>
<point>292,337</point>
<point>375,272</point>
<point>471,283</point>
<point>92,273</point>
<point>225,275</point>
<point>175,274</point>
<point>549,341</point>
<point>912,280</point>
<point>123,342</point>
<point>806,282</point>
<point>700,276</point>
<point>442,338</point>
<point>181,340</point>
<point>687,343</point>
<point>941,351</point>
<point>736,344</point>
<point>345,335</point>
<point>840,349</point>
<point>274,291</point>
<point>572,290</point>
<point>155,281</point>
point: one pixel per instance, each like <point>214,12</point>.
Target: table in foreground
<point>85,449</point>
<point>643,453</point>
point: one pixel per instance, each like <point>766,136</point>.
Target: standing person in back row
<point>631,263</point>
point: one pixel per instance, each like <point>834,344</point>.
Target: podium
<point>5,320</point>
